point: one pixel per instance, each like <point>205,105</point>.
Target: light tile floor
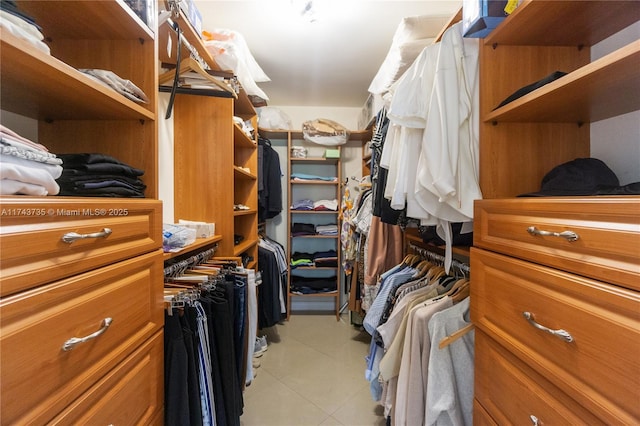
<point>312,374</point>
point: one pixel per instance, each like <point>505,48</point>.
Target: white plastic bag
<point>176,237</point>
<point>273,118</point>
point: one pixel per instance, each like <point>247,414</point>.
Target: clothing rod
<point>439,258</point>
<point>179,267</point>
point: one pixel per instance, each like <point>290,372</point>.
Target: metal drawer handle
<point>70,237</point>
<point>71,343</point>
<point>567,235</point>
<point>534,420</point>
<point>562,334</point>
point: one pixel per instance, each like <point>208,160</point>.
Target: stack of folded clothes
<point>307,285</point>
<point>301,259</point>
<point>99,175</point>
<point>327,230</point>
<point>325,205</point>
<point>327,258</point>
<point>301,229</point>
<point>305,205</point>
<point>26,167</point>
<point>15,21</point>
<point>302,177</point>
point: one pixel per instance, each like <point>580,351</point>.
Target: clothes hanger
<point>455,336</point>
<point>191,65</point>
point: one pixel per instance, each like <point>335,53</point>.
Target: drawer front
<point>608,230</point>
<point>130,394</point>
<point>600,367</point>
<point>480,415</point>
<point>39,378</point>
<point>31,231</point>
<point>512,393</point>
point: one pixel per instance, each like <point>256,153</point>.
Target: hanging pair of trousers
<point>219,305</point>
<point>182,390</point>
<point>239,320</point>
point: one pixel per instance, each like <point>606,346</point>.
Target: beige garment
<point>414,366</point>
<point>392,332</point>
<point>384,249</point>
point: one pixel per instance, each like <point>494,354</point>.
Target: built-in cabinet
<point>215,160</point>
<point>554,292</point>
<point>81,287</point>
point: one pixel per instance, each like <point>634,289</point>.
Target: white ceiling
<point>329,62</point>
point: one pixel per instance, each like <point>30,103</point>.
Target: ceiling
<point>328,62</point>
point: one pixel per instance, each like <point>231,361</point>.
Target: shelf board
<point>238,172</point>
<point>89,20</point>
<point>327,294</point>
<point>460,250</point>
<point>315,160</point>
<point>312,211</point>
<point>200,243</point>
<point>244,212</point>
<point>244,246</point>
<point>240,138</point>
<point>354,135</point>
<point>316,236</point>
<point>274,133</point>
<point>42,87</point>
<point>605,88</point>
<point>313,182</point>
<point>243,107</point>
<point>563,23</point>
<point>314,268</point>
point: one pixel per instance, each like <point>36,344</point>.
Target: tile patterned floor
<point>312,374</point>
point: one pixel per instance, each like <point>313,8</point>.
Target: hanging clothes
<point>434,110</point>
<point>269,181</point>
<point>206,344</point>
<point>404,352</point>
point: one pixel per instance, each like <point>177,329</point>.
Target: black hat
<point>582,176</point>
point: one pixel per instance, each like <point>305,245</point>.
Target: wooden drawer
<point>38,377</point>
<point>608,229</point>
<point>31,231</point>
<point>480,415</point>
<point>136,384</point>
<point>511,392</point>
<point>600,367</point>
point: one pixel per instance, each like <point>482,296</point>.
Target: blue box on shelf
<point>480,17</point>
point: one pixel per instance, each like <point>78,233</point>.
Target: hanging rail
<point>436,257</point>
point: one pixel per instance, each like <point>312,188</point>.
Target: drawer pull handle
<point>74,341</point>
<point>567,235</point>
<point>562,334</point>
<point>534,420</point>
<point>70,237</point>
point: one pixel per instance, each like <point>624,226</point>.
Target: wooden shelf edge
<point>316,236</point>
<point>244,246</point>
<point>313,211</point>
<point>313,182</point>
<point>244,173</point>
<point>244,212</point>
<point>314,268</point>
<point>327,294</point>
<point>241,139</point>
<point>200,243</point>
